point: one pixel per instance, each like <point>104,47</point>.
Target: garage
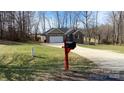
<point>54,35</point>
<point>56,39</point>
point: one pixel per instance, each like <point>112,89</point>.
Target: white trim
<point>77,31</point>
<point>53,30</point>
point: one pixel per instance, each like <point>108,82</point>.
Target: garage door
<point>56,39</point>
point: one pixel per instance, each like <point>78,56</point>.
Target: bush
<point>92,43</point>
<point>104,41</point>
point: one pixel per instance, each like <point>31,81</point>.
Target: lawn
<point>16,63</point>
<point>115,48</point>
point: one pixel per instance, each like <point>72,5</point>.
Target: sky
<point>102,18</point>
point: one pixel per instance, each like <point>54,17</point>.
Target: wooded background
<point>26,25</point>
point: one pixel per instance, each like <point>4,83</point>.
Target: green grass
<point>16,63</point>
<point>115,48</point>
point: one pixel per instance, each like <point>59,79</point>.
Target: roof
<point>73,31</point>
<point>62,29</point>
<point>65,30</point>
<point>78,31</point>
<point>47,31</point>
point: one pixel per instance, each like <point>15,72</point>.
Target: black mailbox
<point>70,45</point>
<point>70,41</point>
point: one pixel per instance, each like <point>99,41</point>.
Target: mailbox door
<point>71,45</point>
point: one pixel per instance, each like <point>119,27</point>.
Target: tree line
<point>26,25</point>
<point>15,26</point>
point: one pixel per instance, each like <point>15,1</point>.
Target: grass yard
<point>115,48</point>
<point>16,63</point>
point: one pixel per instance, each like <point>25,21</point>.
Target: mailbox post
<point>66,64</point>
<point>33,52</point>
<point>68,45</point>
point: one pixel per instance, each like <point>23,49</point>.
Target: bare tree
<point>85,20</point>
<point>96,26</point>
<point>2,23</point>
<point>15,25</point>
<point>117,18</point>
<point>42,18</point>
<point>120,26</point>
<point>58,19</point>
<point>115,24</point>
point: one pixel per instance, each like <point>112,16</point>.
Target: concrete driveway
<point>103,58</point>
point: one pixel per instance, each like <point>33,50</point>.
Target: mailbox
<point>70,43</point>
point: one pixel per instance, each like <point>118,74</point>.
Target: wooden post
<point>33,52</point>
<point>66,64</point>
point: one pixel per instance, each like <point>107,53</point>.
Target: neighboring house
<point>32,36</point>
<point>78,35</point>
<point>43,38</point>
<point>56,35</point>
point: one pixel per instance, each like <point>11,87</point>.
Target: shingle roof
<point>65,30</point>
<point>71,30</point>
<point>62,29</point>
<point>48,31</point>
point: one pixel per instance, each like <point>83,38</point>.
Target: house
<point>77,33</point>
<point>56,35</point>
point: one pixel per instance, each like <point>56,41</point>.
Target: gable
<point>55,31</point>
<point>78,32</point>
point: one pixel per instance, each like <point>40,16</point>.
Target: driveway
<point>105,59</point>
